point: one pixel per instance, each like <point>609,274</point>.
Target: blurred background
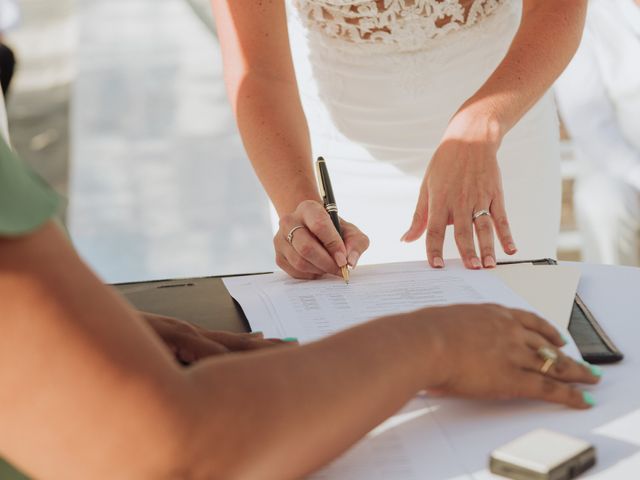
<point>120,105</point>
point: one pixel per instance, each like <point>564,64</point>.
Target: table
<point>613,426</point>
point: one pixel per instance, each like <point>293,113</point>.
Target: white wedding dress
<point>379,81</point>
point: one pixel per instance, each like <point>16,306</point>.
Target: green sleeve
<point>26,202</point>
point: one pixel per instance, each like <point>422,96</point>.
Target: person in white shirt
<point>599,100</point>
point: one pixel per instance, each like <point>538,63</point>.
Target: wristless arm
<point>262,87</point>
<point>100,396</point>
<point>547,38</point>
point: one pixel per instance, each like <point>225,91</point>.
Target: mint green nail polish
<point>588,398</point>
<point>564,338</point>
<point>290,339</point>
<point>597,371</point>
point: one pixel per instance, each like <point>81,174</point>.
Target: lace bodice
<point>392,22</point>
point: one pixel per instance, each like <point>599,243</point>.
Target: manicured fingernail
<point>290,339</point>
<point>340,258</point>
<point>564,339</point>
<point>257,334</point>
<point>403,237</point>
<point>588,398</point>
<point>475,262</point>
<point>353,259</point>
<point>512,247</point>
<point>489,262</point>
<point>596,371</point>
<point>438,262</point>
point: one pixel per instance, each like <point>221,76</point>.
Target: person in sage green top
<point>26,203</point>
<point>89,390</point>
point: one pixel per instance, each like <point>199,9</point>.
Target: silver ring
<point>480,213</point>
<point>291,232</point>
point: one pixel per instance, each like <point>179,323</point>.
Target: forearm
<point>261,84</point>
<point>276,137</point>
<point>548,37</point>
<point>86,363</point>
<point>88,381</point>
<point>93,394</point>
<point>330,393</point>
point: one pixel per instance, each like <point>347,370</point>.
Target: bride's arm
<point>463,176</point>
<point>262,88</point>
<point>547,39</point>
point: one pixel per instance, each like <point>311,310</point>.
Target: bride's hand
<point>463,178</point>
<point>316,247</point>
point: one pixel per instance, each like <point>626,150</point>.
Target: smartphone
<point>543,455</point>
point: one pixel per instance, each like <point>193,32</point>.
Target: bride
<point>440,107</point>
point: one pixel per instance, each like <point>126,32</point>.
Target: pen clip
<point>320,179</point>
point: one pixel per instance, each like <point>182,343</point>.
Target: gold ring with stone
<point>549,356</point>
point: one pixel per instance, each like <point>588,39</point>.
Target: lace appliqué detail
<point>405,23</point>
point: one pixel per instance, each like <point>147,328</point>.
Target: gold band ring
<point>549,356</point>
<point>548,363</point>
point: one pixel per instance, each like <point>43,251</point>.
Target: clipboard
<point>594,344</point>
<point>206,302</point>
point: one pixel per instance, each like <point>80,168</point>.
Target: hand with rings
<point>463,187</point>
<point>308,246</point>
<point>490,351</point>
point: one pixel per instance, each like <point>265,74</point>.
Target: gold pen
<point>329,201</point>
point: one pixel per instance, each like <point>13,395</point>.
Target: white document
<point>408,446</point>
<point>280,306</point>
<point>426,439</point>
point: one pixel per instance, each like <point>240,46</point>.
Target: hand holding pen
<point>308,244</point>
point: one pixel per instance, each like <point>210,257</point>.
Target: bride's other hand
<point>463,178</point>
<point>308,246</point>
